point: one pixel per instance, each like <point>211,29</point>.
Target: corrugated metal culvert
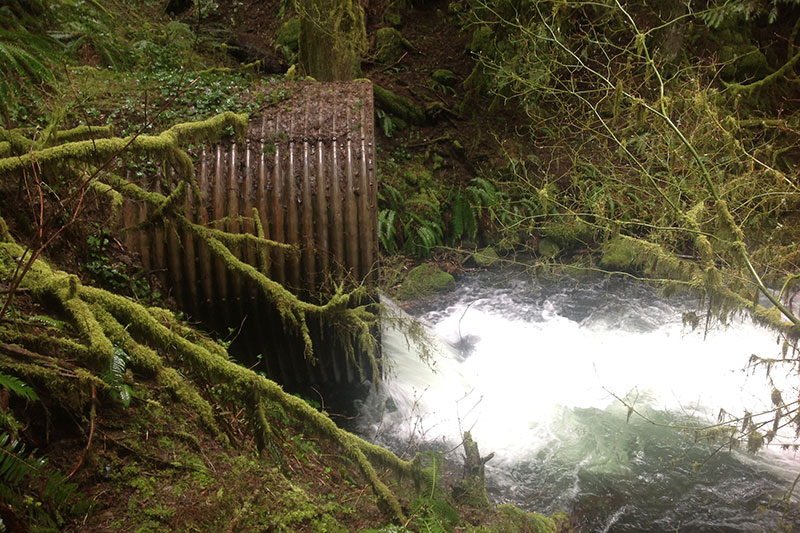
<point>308,167</point>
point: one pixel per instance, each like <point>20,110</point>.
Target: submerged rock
<point>425,280</point>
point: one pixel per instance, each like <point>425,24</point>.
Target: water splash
<point>539,374</point>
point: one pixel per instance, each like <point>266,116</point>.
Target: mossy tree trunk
<point>333,39</point>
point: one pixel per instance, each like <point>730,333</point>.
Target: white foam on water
<point>519,373</point>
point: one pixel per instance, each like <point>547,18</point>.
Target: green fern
<point>115,377</point>
<point>390,197</point>
<point>50,322</point>
<point>483,192</point>
<point>18,387</point>
<point>464,222</point>
<point>425,234</point>
<point>387,232</point>
<point>387,125</point>
<point>747,9</point>
<point>20,469</point>
<point>13,465</point>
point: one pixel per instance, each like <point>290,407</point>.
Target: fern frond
<point>16,466</point>
<point>387,233</point>
<point>464,221</point>
<point>50,322</point>
<point>58,490</point>
<point>18,60</point>
<point>18,387</point>
<point>13,466</point>
<point>483,192</point>
<point>390,197</point>
<point>115,377</point>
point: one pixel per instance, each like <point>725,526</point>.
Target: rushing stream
<point>539,373</point>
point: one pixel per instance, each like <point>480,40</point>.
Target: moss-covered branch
<point>779,74</point>
<point>353,321</point>
<point>166,145</point>
<point>629,253</point>
<point>148,336</point>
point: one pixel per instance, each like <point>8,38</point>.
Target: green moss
<point>444,77</point>
<point>389,45</point>
<point>519,520</point>
<point>425,280</point>
<point>80,133</point>
<point>333,39</point>
<point>396,105</point>
<point>146,330</point>
<point>115,197</point>
<point>144,486</point>
<point>393,19</point>
<point>620,254</point>
<point>569,233</point>
<point>486,258</point>
<point>156,146</point>
<point>481,40</point>
<point>547,248</point>
<point>288,34</point>
<point>743,62</point>
<point>159,512</point>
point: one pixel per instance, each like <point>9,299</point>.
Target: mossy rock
<point>517,520</point>
<point>398,106</point>
<point>548,248</point>
<point>486,258</point>
<point>620,254</point>
<point>444,77</point>
<point>425,280</point>
<point>569,233</point>
<point>393,19</point>
<point>389,45</point>
<point>510,519</point>
<point>418,176</point>
<point>288,34</point>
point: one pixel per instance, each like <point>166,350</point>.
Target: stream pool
<point>591,394</point>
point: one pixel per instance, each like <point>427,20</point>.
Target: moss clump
<point>444,77</point>
<point>619,254</point>
<point>486,258</point>
<point>569,233</point>
<point>425,280</point>
<point>389,45</point>
<point>393,19</point>
<point>398,106</point>
<point>548,248</point>
<point>288,34</point>
<point>519,520</point>
<point>510,519</point>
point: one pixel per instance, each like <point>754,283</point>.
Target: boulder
<point>425,280</point>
